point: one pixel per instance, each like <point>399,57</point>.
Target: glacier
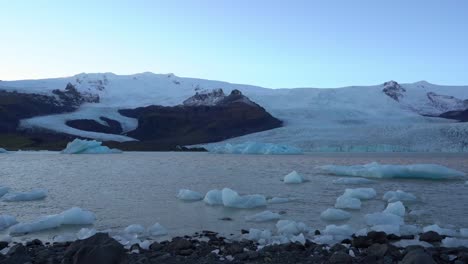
<point>385,171</point>
<point>82,146</point>
<point>255,148</point>
<point>36,194</point>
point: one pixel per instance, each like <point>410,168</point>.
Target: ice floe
<point>157,230</point>
<point>399,195</point>
<point>361,193</point>
<point>454,242</point>
<point>293,177</point>
<point>82,146</point>
<point>352,181</point>
<point>396,208</point>
<point>3,190</point>
<point>289,227</point>
<point>346,202</point>
<point>380,218</point>
<point>36,194</point>
<point>135,229</point>
<point>214,197</point>
<point>188,195</point>
<point>73,216</point>
<point>278,200</point>
<point>7,221</point>
<point>376,170</point>
<point>332,214</point>
<point>264,216</point>
<point>234,200</point>
<point>255,148</point>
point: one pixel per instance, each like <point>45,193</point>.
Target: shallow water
<point>134,187</point>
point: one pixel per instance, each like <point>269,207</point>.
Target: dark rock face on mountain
<point>195,122</point>
<point>71,97</point>
<point>456,115</point>
<point>112,127</point>
<point>446,102</point>
<point>394,90</point>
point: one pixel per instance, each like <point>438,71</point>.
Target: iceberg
<point>188,195</point>
<point>234,200</point>
<point>451,242</point>
<point>135,229</point>
<point>36,194</point>
<point>298,239</point>
<point>399,195</point>
<point>396,208</point>
<point>73,216</point>
<point>7,221</point>
<point>440,230</point>
<point>3,191</point>
<point>342,230</point>
<point>82,146</point>
<point>332,214</point>
<point>157,230</point>
<point>293,177</point>
<point>352,181</point>
<point>376,219</point>
<point>347,202</point>
<point>278,200</point>
<point>264,216</point>
<point>214,197</point>
<point>256,148</point>
<point>290,228</point>
<point>384,171</point>
<point>361,193</point>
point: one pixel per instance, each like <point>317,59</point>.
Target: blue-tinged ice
<point>82,146</point>
<point>264,216</point>
<point>2,150</point>
<point>396,208</point>
<point>7,221</point>
<point>3,190</point>
<point>157,230</point>
<point>293,177</point>
<point>352,181</point>
<point>361,193</point>
<point>36,194</point>
<point>256,148</point>
<point>376,170</point>
<point>332,214</point>
<point>376,219</point>
<point>214,197</point>
<point>278,200</point>
<point>135,229</point>
<point>234,200</point>
<point>399,195</point>
<point>189,195</point>
<point>347,202</point>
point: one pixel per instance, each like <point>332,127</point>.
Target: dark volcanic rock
<point>16,255</point>
<point>232,116</point>
<point>113,126</point>
<point>431,237</point>
<point>457,115</point>
<point>3,245</point>
<point>340,258</point>
<point>98,249</point>
<point>393,90</point>
<point>417,256</point>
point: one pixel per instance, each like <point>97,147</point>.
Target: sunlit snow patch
<point>255,148</point>
<point>376,170</point>
<point>37,194</point>
<point>188,195</point>
<point>82,146</point>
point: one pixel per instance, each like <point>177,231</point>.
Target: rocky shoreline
<point>210,247</point>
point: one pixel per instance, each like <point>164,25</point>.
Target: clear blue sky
<point>272,43</point>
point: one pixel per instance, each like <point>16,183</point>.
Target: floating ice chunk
<point>440,230</point>
<point>36,194</point>
<point>145,244</point>
<point>332,214</point>
<point>346,202</point>
<point>255,148</point>
<point>396,208</point>
<point>135,229</point>
<point>288,227</point>
<point>361,193</point>
<point>85,233</point>
<point>3,190</point>
<point>362,232</point>
<point>257,234</point>
<point>388,229</point>
<point>376,170</point>
<point>352,181</point>
<point>2,150</point>
<point>67,237</point>
<point>375,219</point>
<point>7,221</point>
<point>234,200</point>
<point>82,146</point>
<point>324,240</point>
<point>293,177</point>
<point>341,230</point>
<point>452,242</point>
<point>278,200</point>
<point>464,232</point>
<point>188,195</point>
<point>214,197</point>
<point>399,195</point>
<point>73,216</point>
<point>298,239</point>
<point>263,217</point>
<point>411,242</point>
<point>157,230</point>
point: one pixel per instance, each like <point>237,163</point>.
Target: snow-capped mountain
<point>388,117</point>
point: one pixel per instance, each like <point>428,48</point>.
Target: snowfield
<point>350,119</point>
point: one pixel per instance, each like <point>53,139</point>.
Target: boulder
<point>98,249</point>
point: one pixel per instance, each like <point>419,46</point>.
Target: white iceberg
<point>7,221</point>
<point>36,194</point>
<point>214,197</point>
<point>361,193</point>
<point>82,146</point>
<point>332,214</point>
<point>135,229</point>
<point>188,195</point>
<point>257,235</point>
<point>234,200</point>
<point>73,216</point>
<point>290,228</point>
<point>255,148</point>
<point>341,230</point>
<point>298,239</point>
<point>293,177</point>
<point>347,202</point>
<point>352,181</point>
<point>440,230</point>
<point>157,230</point>
<point>396,208</point>
<point>376,219</point>
<point>451,242</point>
<point>3,190</point>
<point>376,170</point>
<point>399,195</point>
<point>278,200</point>
<point>264,216</point>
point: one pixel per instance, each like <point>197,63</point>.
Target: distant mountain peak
<point>394,90</point>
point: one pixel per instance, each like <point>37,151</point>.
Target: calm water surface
<point>140,188</point>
